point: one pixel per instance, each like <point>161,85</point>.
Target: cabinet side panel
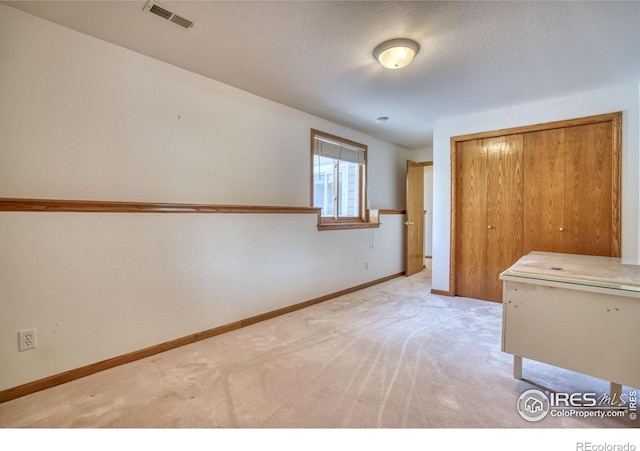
<point>587,332</point>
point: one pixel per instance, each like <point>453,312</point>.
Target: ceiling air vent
<point>162,11</point>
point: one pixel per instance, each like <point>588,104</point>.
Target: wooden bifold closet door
<point>569,190</point>
<point>489,217</point>
<point>549,187</point>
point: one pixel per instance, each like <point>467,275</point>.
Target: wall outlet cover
<point>26,339</point>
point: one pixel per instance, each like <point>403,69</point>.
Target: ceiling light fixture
<point>396,53</point>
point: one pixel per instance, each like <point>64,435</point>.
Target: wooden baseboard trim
<point>68,376</point>
<point>441,292</point>
<point>301,305</point>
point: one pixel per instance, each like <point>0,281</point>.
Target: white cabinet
<point>581,313</point>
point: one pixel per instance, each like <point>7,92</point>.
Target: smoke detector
<point>164,12</point>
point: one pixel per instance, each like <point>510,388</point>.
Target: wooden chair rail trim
<point>68,376</point>
<point>386,211</point>
<point>96,206</point>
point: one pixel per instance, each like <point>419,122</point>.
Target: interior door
<point>569,191</point>
<point>588,181</point>
<point>569,201</point>
<point>488,213</point>
<point>544,193</point>
<point>414,223</point>
<point>504,208</point>
<point>471,219</point>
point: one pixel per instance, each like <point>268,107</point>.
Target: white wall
<point>428,206</point>
<point>83,119</point>
<point>616,98</point>
<point>421,155</point>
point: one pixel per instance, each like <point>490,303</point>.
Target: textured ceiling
<point>317,56</point>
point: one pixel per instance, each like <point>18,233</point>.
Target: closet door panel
<point>471,219</point>
<point>544,169</point>
<point>588,182</point>
<point>504,208</point>
<point>546,187</point>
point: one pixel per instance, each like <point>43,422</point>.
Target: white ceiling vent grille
<point>162,11</point>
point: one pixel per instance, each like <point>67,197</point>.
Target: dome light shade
<point>396,53</point>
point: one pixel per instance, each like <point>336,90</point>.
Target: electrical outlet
<point>26,339</point>
<point>366,265</point>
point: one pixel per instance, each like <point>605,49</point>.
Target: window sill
<point>348,225</point>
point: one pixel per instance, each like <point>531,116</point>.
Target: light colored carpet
<point>391,356</point>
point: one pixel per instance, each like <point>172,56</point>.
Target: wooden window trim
<point>361,222</point>
<point>322,226</point>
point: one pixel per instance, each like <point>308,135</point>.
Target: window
<point>338,172</point>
